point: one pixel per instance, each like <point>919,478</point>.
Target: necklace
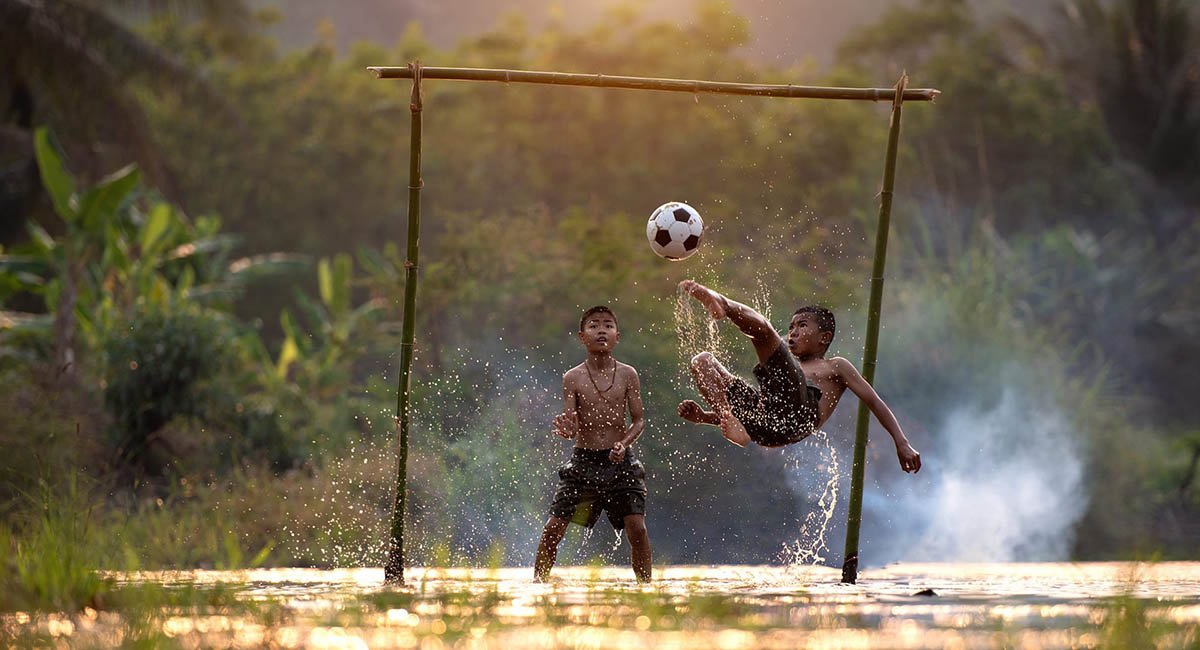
<point>612,382</point>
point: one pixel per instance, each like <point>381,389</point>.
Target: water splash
<point>341,508</point>
<point>812,473</point>
<point>695,329</point>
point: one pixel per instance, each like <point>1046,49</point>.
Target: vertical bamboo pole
<point>393,571</point>
<point>854,519</point>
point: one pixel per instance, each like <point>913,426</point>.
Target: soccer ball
<point>674,230</point>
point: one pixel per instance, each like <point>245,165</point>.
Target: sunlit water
<point>1048,605</point>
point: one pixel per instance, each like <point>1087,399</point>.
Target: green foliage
<point>314,385</point>
<point>1008,143</point>
<point>198,528</point>
<point>78,67</point>
<point>159,365</point>
<point>58,182</point>
<point>1137,61</point>
<point>1022,215</point>
<point>52,563</point>
<point>1130,621</point>
<point>120,248</point>
<point>46,424</point>
<point>491,472</point>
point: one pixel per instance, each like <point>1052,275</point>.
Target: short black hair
<point>824,318</point>
<point>598,309</point>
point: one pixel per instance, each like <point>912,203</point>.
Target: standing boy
<point>602,473</point>
<point>798,387</point>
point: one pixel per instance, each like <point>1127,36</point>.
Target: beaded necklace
<point>612,382</point>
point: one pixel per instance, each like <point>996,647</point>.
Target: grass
<point>1130,621</point>
<point>52,563</point>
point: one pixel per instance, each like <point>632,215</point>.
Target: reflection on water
<point>903,606</point>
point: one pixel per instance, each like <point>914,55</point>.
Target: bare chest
<point>821,373</point>
<point>601,395</point>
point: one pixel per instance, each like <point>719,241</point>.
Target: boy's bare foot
<point>712,301</point>
<point>733,430</point>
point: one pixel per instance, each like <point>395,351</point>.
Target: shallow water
<point>1047,605</point>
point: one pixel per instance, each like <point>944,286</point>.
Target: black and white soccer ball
<point>675,230</point>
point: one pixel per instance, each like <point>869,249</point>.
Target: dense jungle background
<point>202,218</point>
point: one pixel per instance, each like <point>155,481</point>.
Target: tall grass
<point>53,562</point>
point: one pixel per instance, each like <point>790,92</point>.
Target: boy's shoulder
<point>833,366</point>
<point>840,362</point>
<point>844,368</point>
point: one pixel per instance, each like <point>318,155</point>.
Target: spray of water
<point>343,507</point>
<point>695,330</point>
<point>812,469</point>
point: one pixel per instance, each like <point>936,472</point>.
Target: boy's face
<point>599,332</point>
<point>805,338</point>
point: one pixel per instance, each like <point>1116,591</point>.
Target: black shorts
<point>783,409</point>
<point>590,483</point>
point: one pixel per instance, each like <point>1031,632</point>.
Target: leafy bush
<point>161,365</point>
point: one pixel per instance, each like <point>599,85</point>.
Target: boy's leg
<point>639,546</point>
<point>753,324</point>
<point>712,380</point>
<point>547,551</point>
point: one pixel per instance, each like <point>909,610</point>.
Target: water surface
<point>1045,605</point>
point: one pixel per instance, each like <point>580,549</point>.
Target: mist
<point>1002,483</point>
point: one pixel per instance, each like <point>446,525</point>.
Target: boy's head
<point>811,330</point>
<point>593,312</point>
<point>598,329</point>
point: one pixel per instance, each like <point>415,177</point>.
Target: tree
<point>1140,61</point>
<point>72,64</point>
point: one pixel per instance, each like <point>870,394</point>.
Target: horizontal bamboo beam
<point>651,83</point>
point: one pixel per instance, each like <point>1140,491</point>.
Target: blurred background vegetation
<point>200,275</point>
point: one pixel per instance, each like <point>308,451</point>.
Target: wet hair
<point>592,311</point>
<point>823,317</point>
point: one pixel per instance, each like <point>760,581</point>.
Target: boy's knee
<point>635,529</point>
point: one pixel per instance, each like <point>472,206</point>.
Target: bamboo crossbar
<point>652,83</point>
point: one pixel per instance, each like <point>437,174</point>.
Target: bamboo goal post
<point>871,345</point>
<point>394,564</point>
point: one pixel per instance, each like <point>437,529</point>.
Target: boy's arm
<point>566,424</point>
<point>636,411</point>
<point>693,412</point>
<point>910,459</point>
<point>637,423</point>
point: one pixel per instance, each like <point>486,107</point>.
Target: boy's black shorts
<point>590,482</point>
<point>783,409</point>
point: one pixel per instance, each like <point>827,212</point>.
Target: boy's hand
<point>618,452</point>
<point>691,411</point>
<point>566,425</point>
<point>910,459</point>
